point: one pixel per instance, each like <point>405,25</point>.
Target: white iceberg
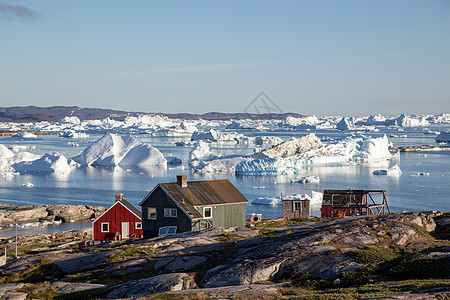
<point>343,124</point>
<point>112,150</point>
<point>315,198</point>
<point>73,134</point>
<point>264,166</point>
<point>46,163</point>
<point>72,120</point>
<point>308,179</point>
<point>5,152</point>
<point>24,135</point>
<point>392,171</point>
<point>406,121</point>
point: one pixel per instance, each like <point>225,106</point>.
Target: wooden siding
<point>289,211</point>
<point>226,215</point>
<point>160,200</point>
<point>114,217</point>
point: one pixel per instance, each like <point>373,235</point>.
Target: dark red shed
<point>121,221</point>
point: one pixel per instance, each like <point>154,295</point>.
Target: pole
<point>15,223</point>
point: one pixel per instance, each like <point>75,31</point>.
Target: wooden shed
<point>189,206</point>
<point>344,203</point>
<point>296,209</point>
<point>121,221</point>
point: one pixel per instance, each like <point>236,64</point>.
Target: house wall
<point>160,200</point>
<point>115,216</point>
<point>288,209</point>
<point>225,215</point>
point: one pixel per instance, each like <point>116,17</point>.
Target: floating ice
<point>264,166</point>
<point>24,135</point>
<point>73,134</point>
<point>343,124</point>
<point>392,171</point>
<point>315,198</point>
<point>443,137</point>
<point>308,179</point>
<point>70,120</point>
<point>28,184</point>
<point>46,163</point>
<point>112,150</point>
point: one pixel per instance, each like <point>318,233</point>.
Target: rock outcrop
<point>39,213</point>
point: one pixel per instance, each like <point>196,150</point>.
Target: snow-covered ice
<point>308,179</point>
<point>112,150</point>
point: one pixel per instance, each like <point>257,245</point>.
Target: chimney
<point>119,197</point>
<point>182,180</point>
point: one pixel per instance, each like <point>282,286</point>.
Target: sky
<point>347,58</point>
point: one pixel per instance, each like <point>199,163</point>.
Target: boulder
<point>156,284</point>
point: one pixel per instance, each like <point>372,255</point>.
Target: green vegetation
<point>371,255</point>
<point>268,233</point>
<point>34,273</point>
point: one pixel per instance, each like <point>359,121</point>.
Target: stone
<point>15,296</point>
<point>77,262</point>
<point>4,288</point>
<point>234,292</point>
<point>156,284</point>
<point>78,287</point>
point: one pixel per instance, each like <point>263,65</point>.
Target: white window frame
<point>204,210</point>
<point>299,205</point>
<point>148,213</point>
<point>138,225</point>
<point>162,231</point>
<point>107,227</point>
<point>170,212</point>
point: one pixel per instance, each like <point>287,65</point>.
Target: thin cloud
<point>210,67</point>
<point>362,57</point>
<point>12,13</point>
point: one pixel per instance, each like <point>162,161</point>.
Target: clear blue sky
<point>313,57</point>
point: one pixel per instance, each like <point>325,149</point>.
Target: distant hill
<point>54,113</point>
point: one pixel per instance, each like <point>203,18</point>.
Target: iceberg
<point>112,150</point>
<point>392,171</point>
<point>315,198</point>
<point>308,179</point>
<point>265,166</point>
<point>443,137</point>
<point>24,135</point>
<point>73,120</point>
<point>405,121</point>
<point>343,124</point>
<point>46,163</point>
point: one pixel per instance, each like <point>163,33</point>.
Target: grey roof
<point>203,193</point>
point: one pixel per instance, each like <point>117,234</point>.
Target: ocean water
<point>97,185</point>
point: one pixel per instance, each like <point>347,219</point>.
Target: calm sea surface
<point>97,186</point>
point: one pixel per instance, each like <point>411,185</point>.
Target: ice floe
<point>392,171</point>
<point>443,137</point>
<point>307,179</point>
<point>315,198</point>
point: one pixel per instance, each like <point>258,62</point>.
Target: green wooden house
<point>189,206</point>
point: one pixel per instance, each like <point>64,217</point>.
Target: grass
<point>130,251</point>
<point>288,222</point>
<point>373,255</point>
<point>36,273</point>
<point>267,233</point>
<point>336,291</point>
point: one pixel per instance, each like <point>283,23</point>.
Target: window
<point>297,206</point>
<point>171,230</point>
<point>167,230</point>
<point>138,225</point>
<point>170,212</point>
<point>207,212</point>
<point>152,213</point>
<point>104,227</point>
<point>162,231</point>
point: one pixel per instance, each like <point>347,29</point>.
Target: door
<point>125,230</point>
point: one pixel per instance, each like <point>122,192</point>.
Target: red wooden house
<point>121,221</point>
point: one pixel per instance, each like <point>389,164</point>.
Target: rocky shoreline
<point>251,262</point>
<point>9,214</point>
<point>419,148</point>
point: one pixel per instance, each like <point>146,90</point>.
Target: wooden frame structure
<point>345,203</point>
